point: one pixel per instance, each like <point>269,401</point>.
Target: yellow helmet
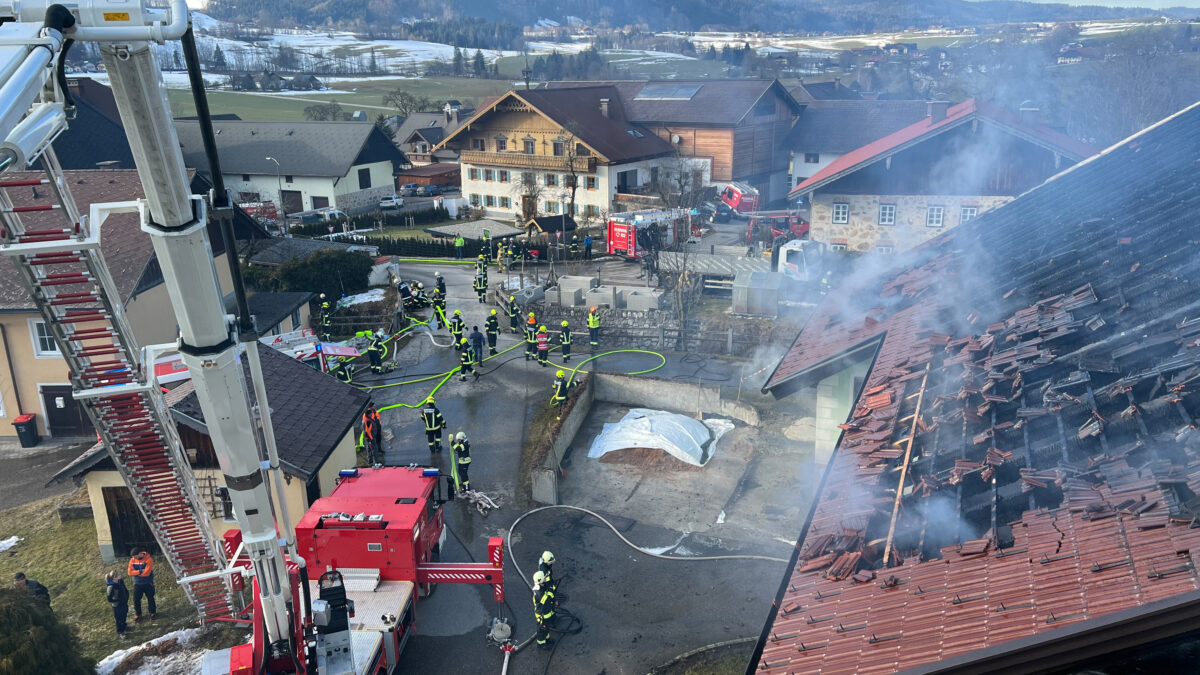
<point>493,312</point>
<point>542,327</point>
<point>564,324</point>
<point>458,311</point>
<point>463,341</point>
<point>511,298</point>
<point>531,315</point>
<point>559,374</point>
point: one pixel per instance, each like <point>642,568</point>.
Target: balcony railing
<point>519,160</point>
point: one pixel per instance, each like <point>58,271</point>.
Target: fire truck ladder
<point>65,273</point>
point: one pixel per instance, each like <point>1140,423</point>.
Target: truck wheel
<point>435,555</point>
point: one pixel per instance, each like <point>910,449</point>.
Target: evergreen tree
<point>480,66</point>
<point>218,58</point>
<point>459,61</point>
<point>32,640</point>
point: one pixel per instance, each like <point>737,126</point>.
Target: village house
<point>421,132</point>
<point>946,169</point>
<point>313,415</point>
<point>303,165</point>
<point>35,378</point>
<point>829,128</point>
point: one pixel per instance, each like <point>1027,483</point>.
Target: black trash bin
<point>27,429</point>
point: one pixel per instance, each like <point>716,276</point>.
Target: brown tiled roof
<point>127,250</point>
<point>841,126</point>
<point>1024,451</point>
<point>714,103</point>
<point>578,110</point>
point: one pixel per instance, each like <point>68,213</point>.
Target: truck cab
<point>799,259</point>
<point>766,226</point>
<point>740,197</point>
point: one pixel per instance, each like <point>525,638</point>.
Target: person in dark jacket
<point>141,568</point>
<point>476,339</point>
<point>118,599</point>
<point>39,591</point>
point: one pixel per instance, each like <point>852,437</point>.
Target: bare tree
<point>680,182</point>
<point>528,191</point>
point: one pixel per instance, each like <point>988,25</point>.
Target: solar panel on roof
<point>667,92</point>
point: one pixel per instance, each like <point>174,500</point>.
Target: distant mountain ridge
<point>817,16</point>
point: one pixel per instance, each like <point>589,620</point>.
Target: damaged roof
<point>1018,478</point>
<point>964,113</point>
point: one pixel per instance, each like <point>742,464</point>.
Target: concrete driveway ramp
<point>684,438</point>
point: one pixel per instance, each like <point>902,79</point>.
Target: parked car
<point>389,203</point>
<point>449,187</point>
<point>408,190</point>
<point>428,191</point>
<point>316,216</point>
<point>716,213</point>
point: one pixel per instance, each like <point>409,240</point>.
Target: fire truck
<point>374,543</point>
<point>740,197</point>
<point>635,233</point>
<point>765,226</point>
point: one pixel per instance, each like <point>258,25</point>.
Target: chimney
<point>604,107</point>
<point>1031,115</point>
<point>937,110</point>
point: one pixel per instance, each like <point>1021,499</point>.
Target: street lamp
<point>280,212</point>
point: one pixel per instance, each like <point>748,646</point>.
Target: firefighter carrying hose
<point>434,423</point>
<point>530,336</point>
<point>480,286</point>
<point>461,448</point>
<point>514,313</point>
<point>373,435</point>
<point>543,609</point>
<point>559,399</point>
<point>375,353</point>
<point>491,328</point>
<point>564,341</point>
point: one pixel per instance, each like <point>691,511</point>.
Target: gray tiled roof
<point>715,102</point>
<point>302,148</point>
<point>269,308</point>
<point>843,125</point>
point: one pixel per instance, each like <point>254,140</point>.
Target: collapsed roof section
<point>1022,465</point>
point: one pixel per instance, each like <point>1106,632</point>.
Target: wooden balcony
<point>518,160</point>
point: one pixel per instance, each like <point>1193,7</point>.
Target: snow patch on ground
<point>202,21</point>
<point>373,295</point>
<point>9,543</point>
<point>176,662</point>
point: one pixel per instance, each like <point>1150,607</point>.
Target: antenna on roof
<point>527,72</point>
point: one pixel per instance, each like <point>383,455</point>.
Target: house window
<point>296,320</point>
<point>887,214</point>
<point>364,179</point>
<point>250,196</point>
<point>477,144</point>
<point>935,216</point>
<point>968,213</point>
<point>883,249</point>
<point>812,158</point>
<point>473,174</point>
<point>503,176</point>
<point>245,178</point>
<point>551,207</point>
<point>591,211</point>
<point>505,203</point>
<point>530,147</point>
<point>551,180</point>
<point>474,200</point>
<point>837,247</point>
<point>841,213</point>
<point>320,202</point>
<point>489,175</point>
<point>590,182</point>
<point>489,200</point>
<point>559,148</point>
<point>287,179</point>
<point>501,144</point>
<point>44,345</point>
<point>528,178</point>
<point>654,175</point>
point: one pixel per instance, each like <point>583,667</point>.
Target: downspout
<point>11,374</point>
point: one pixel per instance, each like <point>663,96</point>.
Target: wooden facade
<point>713,144</point>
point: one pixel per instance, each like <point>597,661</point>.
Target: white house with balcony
<point>522,152</point>
<point>301,165</point>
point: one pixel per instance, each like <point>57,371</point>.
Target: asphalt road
<point>24,471</point>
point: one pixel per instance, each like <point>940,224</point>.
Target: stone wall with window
<point>892,222</point>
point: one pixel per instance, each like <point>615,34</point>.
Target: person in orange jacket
<point>141,570</point>
<point>373,435</point>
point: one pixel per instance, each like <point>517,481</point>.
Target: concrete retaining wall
<point>647,392</point>
<point>544,481</point>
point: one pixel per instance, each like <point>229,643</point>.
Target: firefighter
<point>481,265</point>
<point>543,345</point>
<point>438,300</point>
<point>344,371</point>
<point>546,567</point>
<point>593,324</point>
<point>543,609</point>
<point>466,361</point>
<point>514,313</point>
<point>530,336</point>
<point>826,282</point>
<point>457,326</point>
<point>573,248</point>
<point>564,341</point>
<point>419,296</point>
<point>508,255</point>
<point>492,328</point>
<point>441,283</point>
<point>434,423</point>
<point>480,286</point>
<point>326,318</point>
<point>373,434</point>
<point>375,353</point>
<point>559,399</point>
<point>461,448</point>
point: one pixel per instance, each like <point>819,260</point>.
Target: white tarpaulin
<point>684,438</point>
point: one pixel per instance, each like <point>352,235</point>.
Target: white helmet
<point>539,578</point>
<point>461,436</point>
<point>548,557</point>
<point>437,274</point>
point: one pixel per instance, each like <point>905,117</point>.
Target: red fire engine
<point>767,225</point>
<point>626,232</point>
<point>740,197</point>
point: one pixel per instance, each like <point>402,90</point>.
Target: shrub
<point>33,640</point>
<point>328,272</point>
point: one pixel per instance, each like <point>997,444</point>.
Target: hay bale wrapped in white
<point>684,438</point>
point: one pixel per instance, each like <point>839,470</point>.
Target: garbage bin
<point>27,429</point>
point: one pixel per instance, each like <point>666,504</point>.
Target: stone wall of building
<point>863,232</point>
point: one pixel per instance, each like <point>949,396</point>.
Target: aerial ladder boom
<point>177,222</point>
